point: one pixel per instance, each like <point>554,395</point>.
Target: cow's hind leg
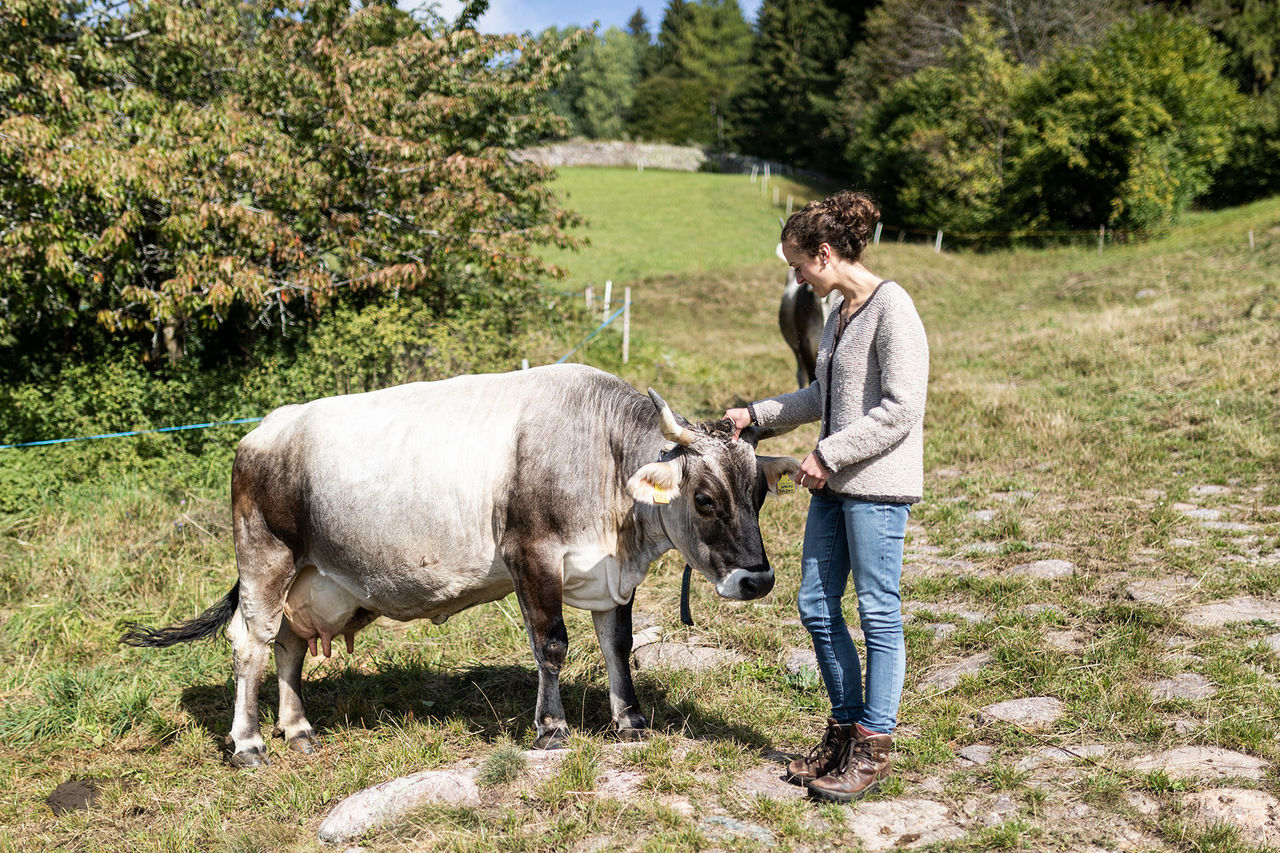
<point>613,629</point>
<point>541,596</point>
<point>292,724</point>
<point>266,567</point>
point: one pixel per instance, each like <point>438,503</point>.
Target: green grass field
<point>1083,407</point>
<point>644,224</point>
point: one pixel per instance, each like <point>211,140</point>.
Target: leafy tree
<point>900,37</point>
<point>937,146</point>
<point>1252,168</point>
<point>1125,133</point>
<point>177,171</point>
<point>608,72</point>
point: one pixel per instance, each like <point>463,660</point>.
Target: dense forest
<point>973,115</point>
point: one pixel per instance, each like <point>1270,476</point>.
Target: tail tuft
<point>207,624</point>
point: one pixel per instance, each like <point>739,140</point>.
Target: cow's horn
<point>682,436</point>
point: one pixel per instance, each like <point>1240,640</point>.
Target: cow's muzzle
<point>746,584</point>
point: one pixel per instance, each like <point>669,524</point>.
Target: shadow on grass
<point>495,702</point>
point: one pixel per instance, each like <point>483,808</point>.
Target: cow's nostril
<point>756,584</point>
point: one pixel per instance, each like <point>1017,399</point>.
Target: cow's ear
<point>655,483</point>
<point>773,467</point>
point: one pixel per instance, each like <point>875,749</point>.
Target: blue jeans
<point>844,537</point>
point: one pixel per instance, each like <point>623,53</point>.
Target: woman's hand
<point>741,419</point>
<point>812,474</point>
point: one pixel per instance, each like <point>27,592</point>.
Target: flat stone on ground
<point>1255,814</point>
<point>1043,569</point>
<point>1205,490</point>
<point>388,800</point>
<point>1202,762</point>
<point>679,656</point>
<point>949,676</point>
<point>767,781</point>
<point>1065,641</point>
<point>799,660</point>
<point>890,824</point>
<point>976,753</point>
<point>1032,712</point>
<point>1160,591</point>
<point>1184,685</point>
<point>1242,608</point>
<point>1057,755</point>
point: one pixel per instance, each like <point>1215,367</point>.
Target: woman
<point>864,474</point>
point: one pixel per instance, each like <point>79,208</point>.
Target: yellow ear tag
<point>786,485</point>
<point>660,495</point>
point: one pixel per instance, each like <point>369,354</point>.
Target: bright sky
<point>516,16</point>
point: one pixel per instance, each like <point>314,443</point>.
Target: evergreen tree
<point>638,26</point>
<point>784,110</point>
<point>702,61</point>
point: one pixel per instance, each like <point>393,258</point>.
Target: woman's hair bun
<point>843,221</point>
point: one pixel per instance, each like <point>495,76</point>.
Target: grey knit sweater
<point>870,398</point>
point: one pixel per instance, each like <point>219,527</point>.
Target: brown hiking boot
<point>864,762</point>
<point>823,758</point>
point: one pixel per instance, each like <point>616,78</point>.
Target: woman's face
<point>815,270</point>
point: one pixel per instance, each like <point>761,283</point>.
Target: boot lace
<point>856,754</point>
<point>826,747</point>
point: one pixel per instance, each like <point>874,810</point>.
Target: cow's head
<point>708,490</point>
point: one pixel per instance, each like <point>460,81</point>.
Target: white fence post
<point>524,364</point>
<point>937,244</point>
<point>591,299</point>
<point>788,206</point>
<point>879,225</point>
<point>608,297</point>
<point>1102,236</point>
<point>755,168</point>
<point>626,325</point>
<point>1250,239</point>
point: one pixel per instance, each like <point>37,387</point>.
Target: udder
<point>319,609</point>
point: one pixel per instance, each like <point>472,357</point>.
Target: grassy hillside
<point>1120,412</point>
<point>643,224</point>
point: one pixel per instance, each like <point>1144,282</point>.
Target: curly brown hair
<point>843,221</point>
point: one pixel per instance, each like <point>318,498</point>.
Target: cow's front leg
<point>613,629</point>
<point>541,596</point>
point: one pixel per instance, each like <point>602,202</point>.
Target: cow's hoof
<point>554,739</point>
<point>304,742</point>
<point>255,757</point>
<point>631,734</point>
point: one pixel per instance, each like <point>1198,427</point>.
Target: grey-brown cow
<point>561,483</point>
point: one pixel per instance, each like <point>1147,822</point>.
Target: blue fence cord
<point>616,314</point>
<point>130,432</point>
<point>46,442</point>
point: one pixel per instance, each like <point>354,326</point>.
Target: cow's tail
<point>205,625</point>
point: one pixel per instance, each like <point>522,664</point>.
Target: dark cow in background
<point>801,317</point>
<point>560,483</point>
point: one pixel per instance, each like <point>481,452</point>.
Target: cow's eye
<point>703,501</point>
